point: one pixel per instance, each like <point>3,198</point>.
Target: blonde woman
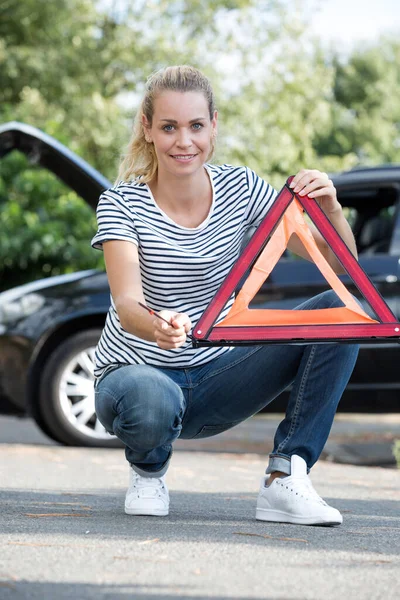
<point>171,228</point>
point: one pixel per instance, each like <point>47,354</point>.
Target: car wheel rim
<point>76,394</point>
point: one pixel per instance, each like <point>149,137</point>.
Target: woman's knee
<point>104,407</point>
<point>149,407</point>
<point>329,299</point>
<point>149,424</point>
<point>332,300</point>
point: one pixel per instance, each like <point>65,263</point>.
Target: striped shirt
<point>181,268</point>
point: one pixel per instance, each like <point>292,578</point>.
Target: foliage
<point>76,70</point>
<point>365,112</point>
<point>62,74</point>
<point>44,215</point>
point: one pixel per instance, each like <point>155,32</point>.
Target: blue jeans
<point>149,407</point>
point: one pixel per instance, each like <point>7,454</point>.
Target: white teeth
<point>185,156</point>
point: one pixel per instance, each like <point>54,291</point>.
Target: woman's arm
<point>123,272</point>
<point>318,185</point>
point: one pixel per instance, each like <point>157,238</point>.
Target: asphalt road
<point>63,533</point>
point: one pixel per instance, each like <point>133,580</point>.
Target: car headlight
<point>18,308</point>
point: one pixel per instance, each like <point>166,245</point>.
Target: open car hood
<point>46,151</point>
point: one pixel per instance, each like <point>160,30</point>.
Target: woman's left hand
<point>317,185</point>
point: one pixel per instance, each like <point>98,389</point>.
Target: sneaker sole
<point>263,514</point>
<point>151,513</point>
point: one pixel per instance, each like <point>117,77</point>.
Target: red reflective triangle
<point>244,326</point>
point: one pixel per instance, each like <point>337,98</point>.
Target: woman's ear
<point>146,129</point>
<point>214,125</point>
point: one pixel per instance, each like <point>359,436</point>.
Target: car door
<point>377,366</point>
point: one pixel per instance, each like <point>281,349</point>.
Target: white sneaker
<point>293,499</point>
<point>146,496</point>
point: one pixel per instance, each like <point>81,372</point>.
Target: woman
<point>170,230</point>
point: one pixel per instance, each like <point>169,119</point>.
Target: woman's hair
<point>140,159</point>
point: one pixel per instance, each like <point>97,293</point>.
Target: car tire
<point>66,394</point>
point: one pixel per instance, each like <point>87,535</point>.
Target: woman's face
<point>181,132</point>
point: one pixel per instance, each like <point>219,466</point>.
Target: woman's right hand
<point>174,335</point>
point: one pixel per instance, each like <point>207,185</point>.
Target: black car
<point>49,328</point>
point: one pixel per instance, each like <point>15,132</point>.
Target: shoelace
<point>148,483</point>
<point>303,487</point>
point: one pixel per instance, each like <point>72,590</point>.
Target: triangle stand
<point>244,326</point>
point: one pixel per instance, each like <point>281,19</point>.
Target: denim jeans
<point>149,407</point>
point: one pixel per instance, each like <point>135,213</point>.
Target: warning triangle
<point>244,326</point>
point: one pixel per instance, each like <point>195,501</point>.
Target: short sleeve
<point>114,220</point>
<point>262,196</point>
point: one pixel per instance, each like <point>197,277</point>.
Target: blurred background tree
<point>365,114</point>
<point>76,69</point>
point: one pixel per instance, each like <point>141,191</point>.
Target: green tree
<point>365,112</point>
<point>60,71</point>
<point>46,226</point>
<point>273,121</point>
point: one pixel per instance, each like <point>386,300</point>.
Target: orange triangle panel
<point>244,326</point>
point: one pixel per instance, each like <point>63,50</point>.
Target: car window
<point>371,214</point>
<point>373,233</point>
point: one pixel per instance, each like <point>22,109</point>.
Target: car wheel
<point>66,394</point>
